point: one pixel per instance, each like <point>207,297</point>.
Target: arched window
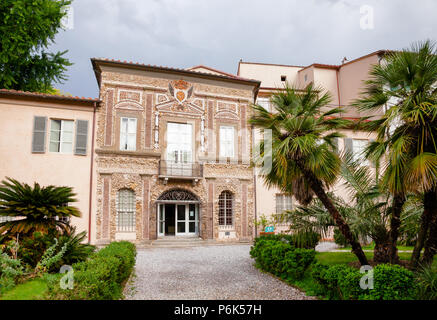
<point>126,211</point>
<point>226,208</point>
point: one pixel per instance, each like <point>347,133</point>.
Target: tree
<point>367,214</point>
<point>404,88</point>
<point>35,209</point>
<point>27,28</point>
<point>303,156</point>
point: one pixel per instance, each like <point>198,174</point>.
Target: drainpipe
<point>338,89</point>
<point>91,173</point>
<point>254,186</point>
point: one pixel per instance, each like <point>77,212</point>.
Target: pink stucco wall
<point>18,161</point>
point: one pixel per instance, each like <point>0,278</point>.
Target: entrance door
<point>187,219</point>
<point>178,219</point>
<point>179,149</point>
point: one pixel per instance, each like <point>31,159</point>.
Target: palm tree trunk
<point>431,242</point>
<point>382,251</point>
<point>317,186</point>
<point>395,223</point>
<point>424,227</point>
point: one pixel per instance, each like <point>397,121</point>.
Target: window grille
<point>126,211</point>
<point>283,203</point>
<point>226,208</point>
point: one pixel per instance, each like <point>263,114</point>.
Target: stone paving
<point>204,273</point>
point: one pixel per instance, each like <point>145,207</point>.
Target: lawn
<point>30,290</point>
<point>372,246</point>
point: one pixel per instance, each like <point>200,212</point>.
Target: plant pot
<point>266,233</point>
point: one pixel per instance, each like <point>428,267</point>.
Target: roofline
<point>267,64</point>
<point>216,70</point>
<point>35,96</point>
<point>318,65</point>
<point>97,62</point>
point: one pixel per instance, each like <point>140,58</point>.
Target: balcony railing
<point>187,170</point>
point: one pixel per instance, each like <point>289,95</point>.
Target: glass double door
<point>178,220</point>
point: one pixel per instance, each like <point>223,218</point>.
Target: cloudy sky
<point>218,33</point>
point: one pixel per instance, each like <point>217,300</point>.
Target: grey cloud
<point>220,32</point>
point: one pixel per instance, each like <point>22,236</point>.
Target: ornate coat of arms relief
<point>180,90</point>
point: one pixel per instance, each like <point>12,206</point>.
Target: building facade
<point>164,152</point>
<point>172,154</point>
<point>344,83</point>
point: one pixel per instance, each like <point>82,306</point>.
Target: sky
<point>218,33</point>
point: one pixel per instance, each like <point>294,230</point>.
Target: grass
<point>372,246</point>
<point>30,290</point>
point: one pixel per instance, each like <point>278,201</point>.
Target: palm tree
<point>367,215</point>
<point>404,88</point>
<point>303,158</point>
<point>35,209</point>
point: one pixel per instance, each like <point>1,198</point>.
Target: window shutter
<point>81,137</point>
<point>348,145</point>
<point>335,142</point>
<point>39,135</point>
<point>372,162</point>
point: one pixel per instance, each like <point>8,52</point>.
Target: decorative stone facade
<point>154,98</point>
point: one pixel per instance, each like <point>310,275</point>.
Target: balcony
<point>180,171</point>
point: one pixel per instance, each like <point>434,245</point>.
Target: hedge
<point>101,277</point>
<point>281,258</point>
<point>303,240</point>
<point>390,282</point>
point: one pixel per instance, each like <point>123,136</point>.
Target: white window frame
<point>265,103</point>
<point>284,202</point>
<point>125,134</point>
<point>227,146</point>
<point>358,153</point>
<point>125,207</point>
<point>62,134</point>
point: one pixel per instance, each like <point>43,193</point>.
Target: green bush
<point>101,277</point>
<point>391,282</point>
<point>303,240</point>
<point>426,280</point>
<point>281,258</point>
<point>32,248</point>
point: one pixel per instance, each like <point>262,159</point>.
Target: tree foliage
<point>27,29</point>
<point>35,208</point>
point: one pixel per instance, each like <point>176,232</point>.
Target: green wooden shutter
<point>39,134</point>
<point>81,137</point>
<point>335,142</point>
<point>348,145</point>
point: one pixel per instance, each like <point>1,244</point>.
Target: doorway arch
<point>178,214</point>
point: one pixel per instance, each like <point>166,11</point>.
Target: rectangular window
<point>283,203</point>
<point>128,134</point>
<point>227,142</point>
<point>358,147</point>
<point>265,103</point>
<point>61,136</point>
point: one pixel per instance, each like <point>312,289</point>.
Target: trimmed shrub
<point>391,282</point>
<point>304,240</point>
<point>101,277</point>
<point>280,258</point>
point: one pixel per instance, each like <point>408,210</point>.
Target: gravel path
<point>204,273</point>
